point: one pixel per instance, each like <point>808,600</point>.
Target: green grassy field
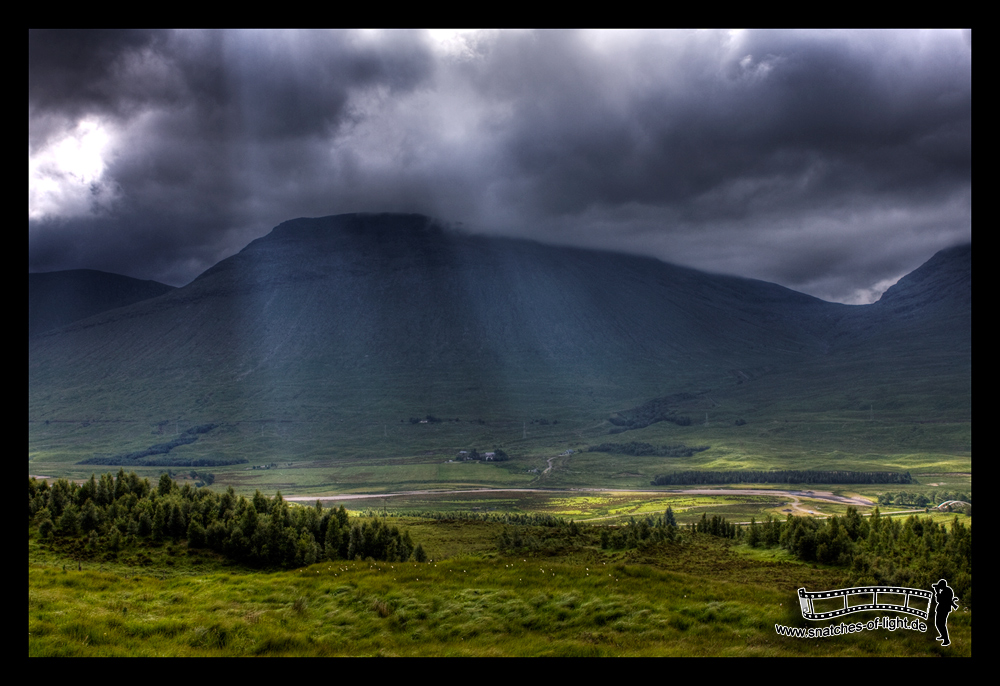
<point>703,597</point>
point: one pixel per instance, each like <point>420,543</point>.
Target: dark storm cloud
<point>797,119</point>
<point>76,72</point>
<point>214,124</point>
<point>813,155</point>
<point>829,162</point>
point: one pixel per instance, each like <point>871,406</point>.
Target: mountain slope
<point>943,283</point>
<point>342,324</point>
<point>376,297</point>
<point>59,298</point>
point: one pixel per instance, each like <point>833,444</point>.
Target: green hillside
<point>319,343</point>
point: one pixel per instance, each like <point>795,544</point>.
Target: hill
<point>326,332</point>
<point>59,298</point>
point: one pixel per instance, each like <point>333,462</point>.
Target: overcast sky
<point>828,162</point>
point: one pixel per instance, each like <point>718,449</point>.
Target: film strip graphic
<point>807,598</point>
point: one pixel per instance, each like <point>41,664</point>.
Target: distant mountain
<point>59,298</point>
<point>943,283</point>
<point>927,312</point>
<point>356,320</point>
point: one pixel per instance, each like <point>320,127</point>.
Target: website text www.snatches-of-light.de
<point>890,623</point>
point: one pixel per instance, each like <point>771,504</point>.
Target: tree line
<point>644,531</point>
<point>921,500</point>
<point>650,412</point>
<point>640,449</point>
<point>116,512</point>
<point>913,552</point>
<point>157,455</point>
<point>780,476</point>
<point>509,518</point>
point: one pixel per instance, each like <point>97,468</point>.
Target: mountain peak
<point>382,225</point>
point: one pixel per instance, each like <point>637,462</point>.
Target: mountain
<point>336,327</point>
<point>926,313</point>
<point>59,298</point>
<point>942,284</point>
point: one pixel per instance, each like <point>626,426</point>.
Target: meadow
<point>698,596</point>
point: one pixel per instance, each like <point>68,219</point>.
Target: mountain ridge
<point>56,299</point>
<point>393,316</point>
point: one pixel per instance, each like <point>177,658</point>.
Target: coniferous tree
<point>196,535</point>
<point>45,526</point>
<point>305,549</point>
<point>176,526</point>
<point>334,539</point>
<point>161,515</point>
<point>90,519</point>
<point>87,491</point>
<point>69,521</point>
<point>166,484</point>
<point>257,531</point>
